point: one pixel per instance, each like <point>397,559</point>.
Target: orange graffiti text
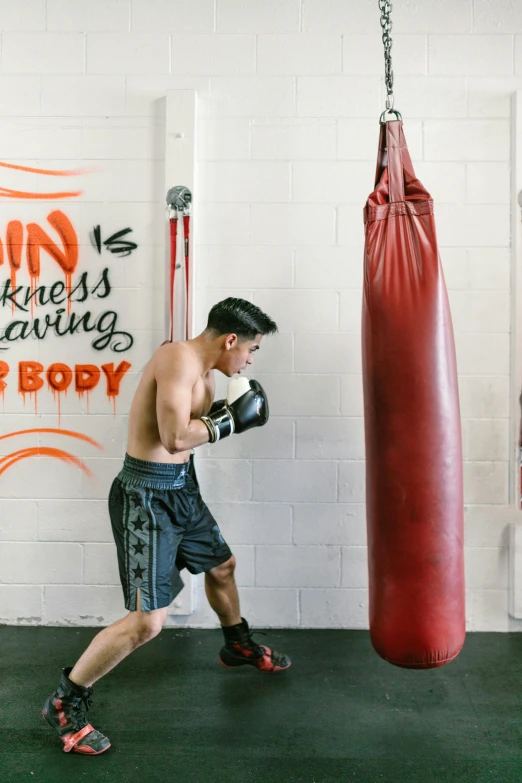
<point>66,256</point>
<point>4,370</point>
<point>59,376</point>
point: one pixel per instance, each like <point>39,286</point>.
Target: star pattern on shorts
<point>138,548</point>
<point>137,515</point>
<point>138,572</point>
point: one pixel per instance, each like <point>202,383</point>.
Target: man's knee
<point>146,625</point>
<point>223,572</point>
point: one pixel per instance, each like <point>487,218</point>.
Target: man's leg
<point>63,710</point>
<point>203,545</point>
<point>116,642</point>
<point>221,590</point>
<point>240,648</point>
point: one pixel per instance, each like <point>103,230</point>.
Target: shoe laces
<point>76,716</point>
<point>274,655</point>
<point>256,648</point>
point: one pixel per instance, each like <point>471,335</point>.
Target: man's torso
<point>144,439</point>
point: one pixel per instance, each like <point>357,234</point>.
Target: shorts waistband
<point>153,475</point>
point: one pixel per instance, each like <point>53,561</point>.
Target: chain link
<point>385,8</point>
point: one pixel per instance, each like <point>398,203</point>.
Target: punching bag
<point>414,493</point>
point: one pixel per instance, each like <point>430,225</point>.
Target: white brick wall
<point>43,52</point>
<point>289,94</point>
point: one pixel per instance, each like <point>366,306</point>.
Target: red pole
<point>186,231</point>
<point>173,243</point>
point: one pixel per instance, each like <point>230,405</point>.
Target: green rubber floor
<point>340,714</point>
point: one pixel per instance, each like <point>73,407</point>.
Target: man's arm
<point>176,374</point>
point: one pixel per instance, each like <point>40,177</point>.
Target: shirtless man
<point>159,520</point>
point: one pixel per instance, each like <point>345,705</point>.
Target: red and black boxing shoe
<point>240,650</point>
<point>63,711</point>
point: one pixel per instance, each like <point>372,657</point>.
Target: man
<point>159,520</point>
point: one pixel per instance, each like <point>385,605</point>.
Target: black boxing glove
<point>216,406</point>
<point>249,410</point>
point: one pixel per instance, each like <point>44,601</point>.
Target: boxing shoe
<point>241,650</point>
<point>63,711</point>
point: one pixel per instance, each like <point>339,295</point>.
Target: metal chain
<point>385,8</point>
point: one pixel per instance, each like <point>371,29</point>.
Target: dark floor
<point>339,714</point>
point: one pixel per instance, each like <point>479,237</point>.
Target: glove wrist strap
<point>219,424</point>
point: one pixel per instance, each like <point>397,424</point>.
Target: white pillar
<point>180,169</point>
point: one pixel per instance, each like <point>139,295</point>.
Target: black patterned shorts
<point>161,525</point>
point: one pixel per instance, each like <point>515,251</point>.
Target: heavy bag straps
<point>393,154</point>
<point>394,135</point>
<point>382,158</point>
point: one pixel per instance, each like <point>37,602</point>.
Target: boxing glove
<point>236,388</point>
<point>216,406</point>
<point>247,411</point>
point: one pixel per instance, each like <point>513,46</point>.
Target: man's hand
<point>249,410</point>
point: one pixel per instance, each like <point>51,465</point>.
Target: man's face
<point>241,353</point>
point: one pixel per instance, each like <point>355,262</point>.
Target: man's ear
<point>231,341</point>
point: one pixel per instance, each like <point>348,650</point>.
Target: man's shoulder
<point>176,356</point>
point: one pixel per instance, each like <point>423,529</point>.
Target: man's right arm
<point>175,380</point>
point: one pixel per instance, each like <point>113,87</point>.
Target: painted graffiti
<point>63,321</point>
<point>24,246</point>
<point>46,451</point>
<point>40,308</point>
<point>115,243</point>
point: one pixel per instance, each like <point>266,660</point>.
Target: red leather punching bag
<point>414,489</point>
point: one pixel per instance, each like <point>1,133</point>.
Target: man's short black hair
<point>237,316</point>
